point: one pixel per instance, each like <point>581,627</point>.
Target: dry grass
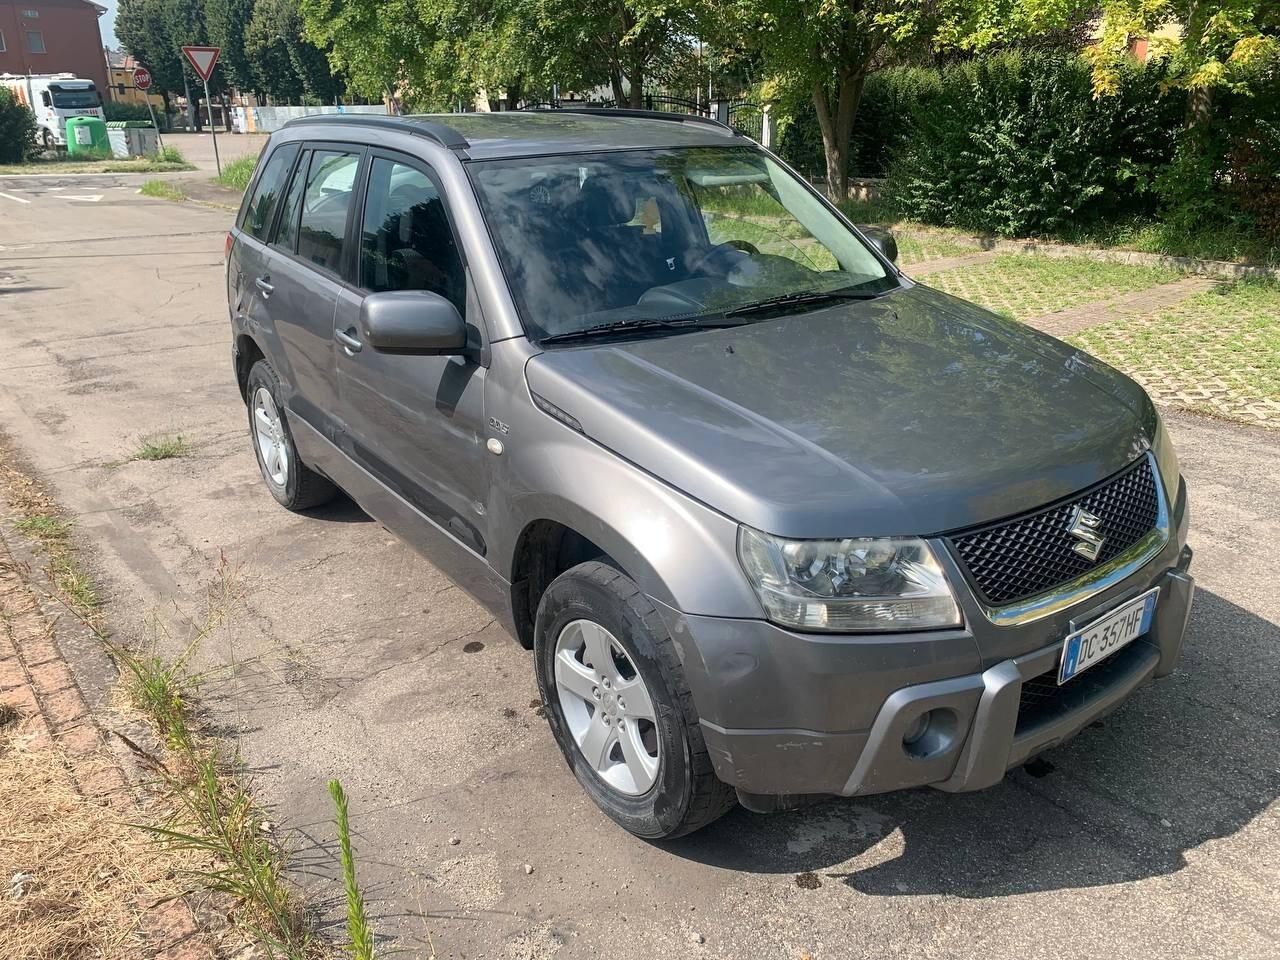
<point>76,880</point>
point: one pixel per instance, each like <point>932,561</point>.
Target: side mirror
<point>412,321</point>
<point>882,239</point>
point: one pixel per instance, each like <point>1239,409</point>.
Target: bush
<point>1015,144</point>
<point>17,129</point>
<point>116,110</point>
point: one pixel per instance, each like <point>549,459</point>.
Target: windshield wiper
<point>622,327</point>
<point>803,298</point>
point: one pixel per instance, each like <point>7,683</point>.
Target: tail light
<point>226,251</point>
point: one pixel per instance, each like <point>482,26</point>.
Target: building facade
<point>120,67</point>
<point>53,36</point>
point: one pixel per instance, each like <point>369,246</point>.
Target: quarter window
<point>35,41</point>
<point>331,179</point>
<point>406,242</point>
<point>257,214</point>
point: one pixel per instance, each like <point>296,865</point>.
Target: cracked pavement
<point>1155,834</point>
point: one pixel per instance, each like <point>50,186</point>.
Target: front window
<point>602,239</point>
<point>75,98</point>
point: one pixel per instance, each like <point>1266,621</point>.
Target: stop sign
<point>142,78</point>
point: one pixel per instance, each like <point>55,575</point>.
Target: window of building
<point>2,46</point>
<point>31,14</point>
<point>35,41</point>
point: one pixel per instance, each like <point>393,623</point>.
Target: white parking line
<point>10,196</point>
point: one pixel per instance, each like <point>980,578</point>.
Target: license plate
<point>1106,635</point>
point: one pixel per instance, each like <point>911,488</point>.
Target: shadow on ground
<point>1189,759</point>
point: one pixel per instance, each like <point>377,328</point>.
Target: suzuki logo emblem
<point>1084,527</point>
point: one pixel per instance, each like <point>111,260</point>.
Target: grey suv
<point>775,520</point>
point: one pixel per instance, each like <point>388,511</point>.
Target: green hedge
<point>17,129</point>
<point>1017,145</point>
<point>115,110</point>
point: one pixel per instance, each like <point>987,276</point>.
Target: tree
<point>226,22</point>
<point>824,50</point>
<point>284,64</point>
<point>1220,45</point>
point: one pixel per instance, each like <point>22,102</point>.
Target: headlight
<point>848,585</point>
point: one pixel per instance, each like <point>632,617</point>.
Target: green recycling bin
<point>87,137</point>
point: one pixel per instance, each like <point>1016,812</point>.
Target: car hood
<point>914,413</point>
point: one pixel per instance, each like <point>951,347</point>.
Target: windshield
<point>78,97</point>
<point>595,239</point>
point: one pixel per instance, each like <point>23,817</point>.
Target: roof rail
<point>640,115</point>
<point>441,133</point>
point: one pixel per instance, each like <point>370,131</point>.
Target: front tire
<point>619,707</point>
<point>291,482</point>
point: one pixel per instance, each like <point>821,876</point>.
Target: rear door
<point>415,422</point>
<point>248,254</point>
<point>302,273</point>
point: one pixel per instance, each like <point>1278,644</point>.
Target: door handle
<point>349,343</point>
<point>264,286</point>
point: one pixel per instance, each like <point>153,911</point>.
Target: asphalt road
<point>1156,834</point>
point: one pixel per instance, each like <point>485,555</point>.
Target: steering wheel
<point>721,258</point>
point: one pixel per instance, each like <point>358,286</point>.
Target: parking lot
<point>1154,834</point>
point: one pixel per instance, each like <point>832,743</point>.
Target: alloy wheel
<point>607,707</point>
<point>269,433</point>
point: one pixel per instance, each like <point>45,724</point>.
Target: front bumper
<point>787,714</point>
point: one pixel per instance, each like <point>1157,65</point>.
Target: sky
<point>107,24</point>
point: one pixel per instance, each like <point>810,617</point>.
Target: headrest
<point>606,202</point>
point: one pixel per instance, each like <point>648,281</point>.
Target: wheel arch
<point>245,352</point>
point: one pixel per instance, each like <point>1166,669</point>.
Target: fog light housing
<point>932,733</point>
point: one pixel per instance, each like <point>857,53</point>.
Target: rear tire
<point>293,484</point>
<point>682,794</point>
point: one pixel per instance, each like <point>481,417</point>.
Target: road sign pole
<point>156,126</point>
<point>213,127</point>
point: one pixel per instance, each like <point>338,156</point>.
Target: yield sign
<point>202,60</point>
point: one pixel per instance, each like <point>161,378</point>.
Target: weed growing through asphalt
<point>359,931</point>
<point>39,518</point>
<point>162,190</point>
<point>165,446</point>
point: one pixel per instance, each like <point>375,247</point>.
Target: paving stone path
<point>1072,320</point>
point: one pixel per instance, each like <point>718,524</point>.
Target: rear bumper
<point>787,714</point>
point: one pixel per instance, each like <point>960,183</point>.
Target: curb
<point>1210,268</point>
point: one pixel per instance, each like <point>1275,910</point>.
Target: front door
<point>414,422</point>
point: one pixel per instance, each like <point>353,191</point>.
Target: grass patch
<point>67,165</point>
<point>77,882</point>
<point>238,172</point>
<point>162,190</point>
<point>166,446</point>
<point>44,527</point>
<point>1216,352</point>
<point>1022,286</point>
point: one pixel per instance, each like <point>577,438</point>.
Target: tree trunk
<point>837,128</point>
<point>637,86</point>
<point>513,92</point>
<point>615,79</point>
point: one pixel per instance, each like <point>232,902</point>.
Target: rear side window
<point>256,218</point>
<point>287,229</point>
<point>407,243</point>
<point>331,179</point>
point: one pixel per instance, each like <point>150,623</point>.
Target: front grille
<point>1025,556</point>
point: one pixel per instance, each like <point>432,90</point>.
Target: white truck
<point>54,97</point>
